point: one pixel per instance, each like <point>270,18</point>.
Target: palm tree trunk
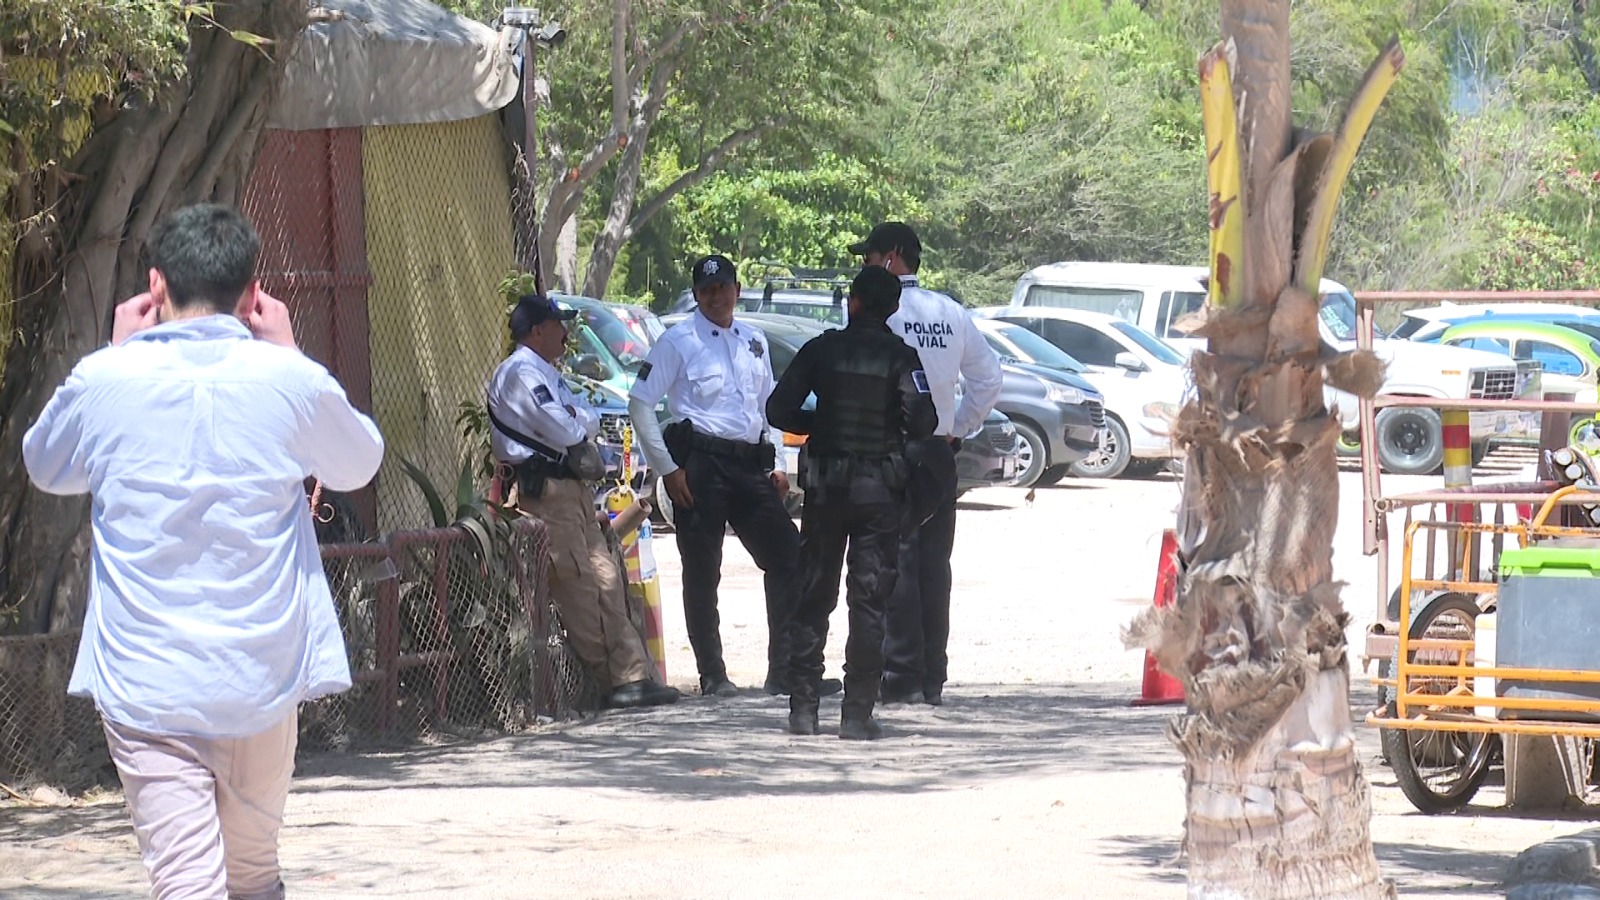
<point>1277,803</point>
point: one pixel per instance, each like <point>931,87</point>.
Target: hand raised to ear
<point>269,321</point>
<point>133,316</point>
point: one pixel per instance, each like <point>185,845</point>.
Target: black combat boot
<point>855,729</point>
<point>803,718</point>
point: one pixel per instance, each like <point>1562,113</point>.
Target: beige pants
<point>585,585</point>
<point>207,811</point>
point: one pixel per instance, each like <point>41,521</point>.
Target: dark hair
<point>207,253</point>
<point>878,292</point>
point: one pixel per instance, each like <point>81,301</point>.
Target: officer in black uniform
<point>872,397</point>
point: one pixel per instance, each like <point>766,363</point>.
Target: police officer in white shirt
<point>543,429</point>
<point>917,624</point>
<point>719,468</point>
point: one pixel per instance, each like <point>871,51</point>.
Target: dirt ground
<point>1036,779</point>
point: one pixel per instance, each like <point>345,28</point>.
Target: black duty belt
<point>543,468</point>
<point>740,450</point>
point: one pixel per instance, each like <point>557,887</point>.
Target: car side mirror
<point>589,366</point>
<point>1132,363</point>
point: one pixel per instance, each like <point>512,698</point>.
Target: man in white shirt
<point>209,617</point>
<point>917,624</point>
<point>536,423</point>
<point>719,469</point>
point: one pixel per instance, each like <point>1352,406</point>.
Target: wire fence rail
<point>445,640</point>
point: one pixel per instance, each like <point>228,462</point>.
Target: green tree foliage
<point>62,64</point>
<point>1016,133</point>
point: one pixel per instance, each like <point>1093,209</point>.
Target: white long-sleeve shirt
<point>529,394</point>
<point>718,378</point>
<point>208,612</point>
<point>953,353</point>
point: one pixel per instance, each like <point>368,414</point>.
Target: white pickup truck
<point>1410,440</point>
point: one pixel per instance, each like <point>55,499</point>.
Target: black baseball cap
<point>877,289</point>
<point>714,269</point>
<point>889,237</point>
<point>532,309</point>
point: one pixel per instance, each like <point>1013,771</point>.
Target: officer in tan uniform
<point>545,431</point>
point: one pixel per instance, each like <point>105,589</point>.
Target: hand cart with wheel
<point>1451,698</point>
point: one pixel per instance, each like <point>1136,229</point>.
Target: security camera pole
<point>534,33</point>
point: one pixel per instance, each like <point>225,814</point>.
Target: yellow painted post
<point>644,583</point>
<point>1458,474</point>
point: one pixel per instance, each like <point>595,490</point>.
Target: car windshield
<point>1037,349</point>
<point>622,344</point>
<point>1150,343</point>
<point>1339,314</point>
<point>817,312</point>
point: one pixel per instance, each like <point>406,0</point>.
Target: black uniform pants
<point>731,492</point>
<point>917,624</point>
<point>872,533</point>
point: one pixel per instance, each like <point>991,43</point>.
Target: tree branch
<point>695,25</point>
<point>709,165</point>
<point>204,180</point>
<point>621,85</point>
<point>178,151</point>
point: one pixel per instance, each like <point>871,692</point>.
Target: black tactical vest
<point>857,380</point>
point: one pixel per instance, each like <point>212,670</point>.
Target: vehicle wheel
<point>1410,441</point>
<point>1052,475</point>
<point>1033,454</point>
<point>1146,468</point>
<point>1480,452</point>
<point>1440,770</point>
<point>1348,446</point>
<point>1111,459</point>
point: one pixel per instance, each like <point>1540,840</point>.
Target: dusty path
<point>1035,780</point>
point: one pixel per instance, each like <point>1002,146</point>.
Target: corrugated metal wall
<point>305,199</point>
<point>438,236</point>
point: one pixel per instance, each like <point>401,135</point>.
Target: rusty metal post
<point>443,664</point>
<point>387,625</point>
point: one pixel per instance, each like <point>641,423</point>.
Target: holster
<point>677,436</point>
<point>532,474</point>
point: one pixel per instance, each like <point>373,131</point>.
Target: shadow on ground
<point>1417,868</point>
<point>705,748</point>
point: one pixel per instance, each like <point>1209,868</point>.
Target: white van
<point>1411,440</point>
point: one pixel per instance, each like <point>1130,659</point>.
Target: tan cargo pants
<point>588,591</point>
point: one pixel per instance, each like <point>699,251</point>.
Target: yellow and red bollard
<point>644,583</point>
<point>1458,474</point>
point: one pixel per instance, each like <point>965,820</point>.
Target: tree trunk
<point>567,255</point>
<point>1277,804</point>
<point>624,193</point>
<point>625,187</point>
<point>196,142</point>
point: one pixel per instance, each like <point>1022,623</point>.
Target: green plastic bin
<point>1549,618</point>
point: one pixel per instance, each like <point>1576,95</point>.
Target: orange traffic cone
<point>1160,688</point>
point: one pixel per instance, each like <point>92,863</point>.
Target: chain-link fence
<point>46,735</point>
<point>450,632</point>
<point>388,244</point>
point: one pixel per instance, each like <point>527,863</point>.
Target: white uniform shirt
<point>529,394</point>
<point>718,378</point>
<point>208,612</point>
<point>953,352</point>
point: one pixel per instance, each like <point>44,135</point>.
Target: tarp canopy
<point>393,62</point>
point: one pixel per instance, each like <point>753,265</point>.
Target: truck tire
<point>1410,440</point>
